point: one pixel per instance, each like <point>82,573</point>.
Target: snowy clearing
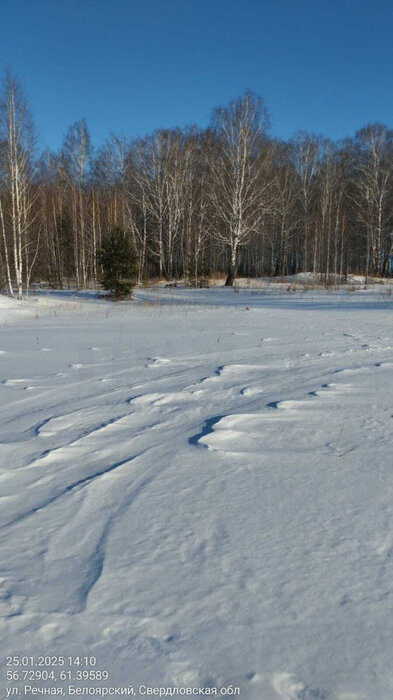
<point>196,488</point>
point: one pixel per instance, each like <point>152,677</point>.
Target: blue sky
<point>130,66</point>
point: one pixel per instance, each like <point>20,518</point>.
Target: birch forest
<point>228,199</point>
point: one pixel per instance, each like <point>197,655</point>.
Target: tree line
<point>225,199</point>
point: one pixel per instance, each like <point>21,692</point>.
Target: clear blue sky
<point>130,66</point>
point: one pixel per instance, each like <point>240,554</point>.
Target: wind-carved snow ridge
<point>207,428</point>
<point>301,420</point>
<point>158,362</point>
<point>80,483</point>
<point>97,557</point>
<point>96,565</point>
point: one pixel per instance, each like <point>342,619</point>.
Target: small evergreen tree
<point>118,261</point>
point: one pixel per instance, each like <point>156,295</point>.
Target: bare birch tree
<point>306,150</point>
<point>76,155</point>
<point>235,160</point>
<point>17,211</point>
<point>374,167</point>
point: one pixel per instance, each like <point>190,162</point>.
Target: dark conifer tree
<point>118,260</point>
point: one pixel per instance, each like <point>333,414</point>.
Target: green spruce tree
<point>118,260</point>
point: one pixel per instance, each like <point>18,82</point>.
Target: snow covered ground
<point>196,488</point>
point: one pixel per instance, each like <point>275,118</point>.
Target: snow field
<point>201,493</point>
